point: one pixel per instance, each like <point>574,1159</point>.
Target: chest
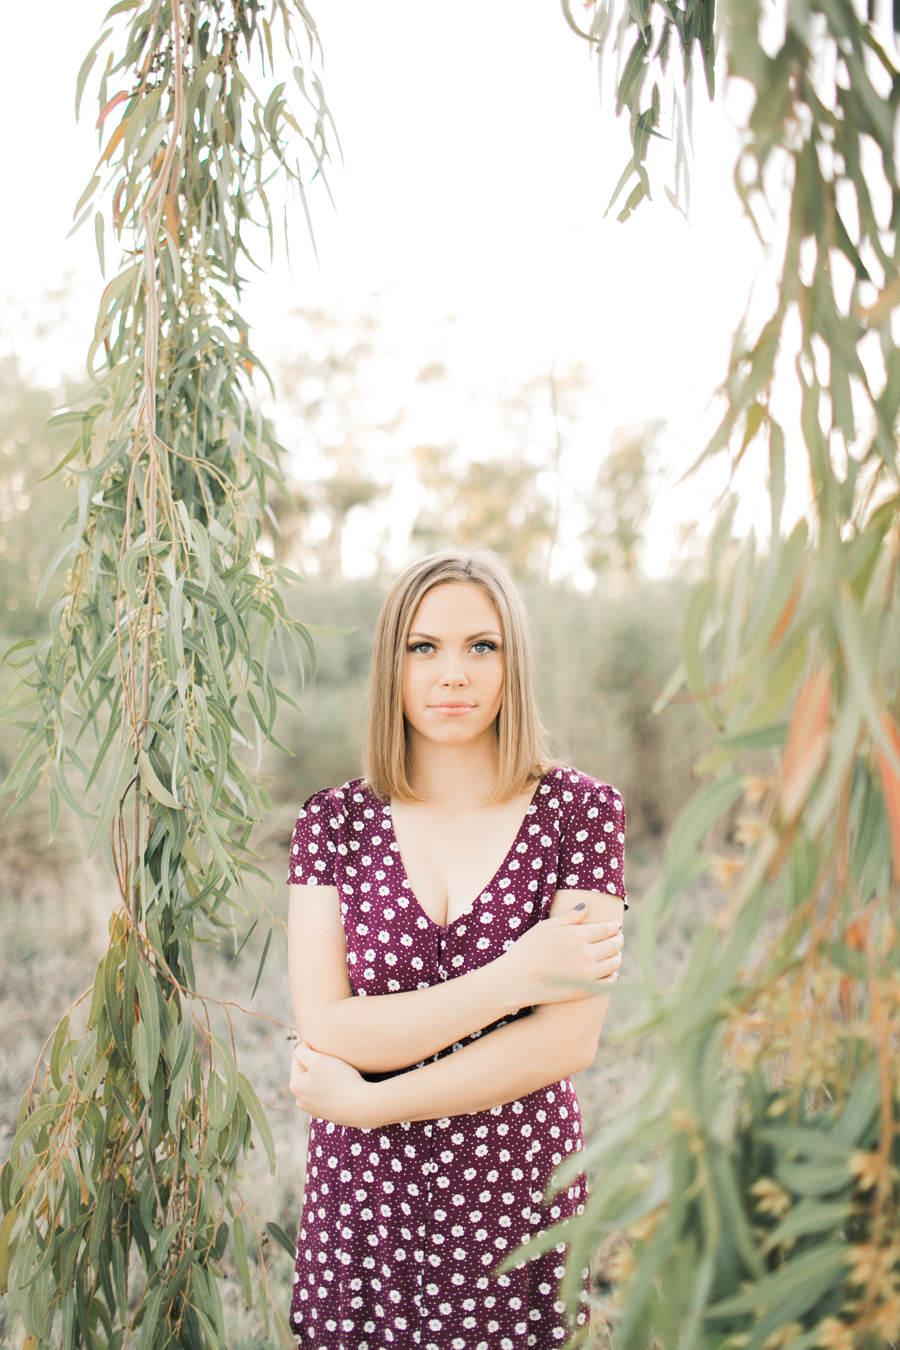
<point>393,943</point>
<point>450,857</point>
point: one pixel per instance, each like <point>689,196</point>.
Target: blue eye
<point>421,647</point>
<point>482,648</point>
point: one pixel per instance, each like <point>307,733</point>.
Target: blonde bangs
<point>521,737</point>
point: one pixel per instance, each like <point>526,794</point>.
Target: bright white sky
<point>477,167</point>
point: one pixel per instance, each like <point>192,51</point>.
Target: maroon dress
<point>403,1226</point>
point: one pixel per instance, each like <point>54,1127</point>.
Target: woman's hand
<point>328,1088</point>
<point>545,961</point>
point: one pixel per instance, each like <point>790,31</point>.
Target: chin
<point>453,733</point>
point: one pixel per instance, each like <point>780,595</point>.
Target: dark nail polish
<point>583,905</point>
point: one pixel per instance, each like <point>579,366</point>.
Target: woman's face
<point>453,671</point>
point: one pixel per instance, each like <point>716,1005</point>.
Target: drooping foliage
<point>652,41</point>
<point>146,706</point>
<point>754,1174</point>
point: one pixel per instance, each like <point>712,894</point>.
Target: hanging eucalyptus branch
<point>119,1193</point>
<point>641,36</point>
<point>754,1178</point>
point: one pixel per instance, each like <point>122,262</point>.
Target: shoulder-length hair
<point>520,734</point>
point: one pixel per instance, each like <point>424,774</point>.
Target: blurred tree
<point>29,514</point>
<point>325,384</point>
<point>541,417</point>
<point>498,503</point>
<point>755,1174</point>
<point>120,1193</point>
<point>618,505</point>
<point>594,648</point>
<point>509,502</point>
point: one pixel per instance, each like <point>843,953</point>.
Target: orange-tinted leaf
<point>845,994</point>
<point>117,201</point>
<point>856,934</point>
<point>108,107</point>
<point>114,139</point>
<point>890,786</point>
<point>807,743</point>
<point>755,414</point>
<point>170,214</point>
<point>786,615</point>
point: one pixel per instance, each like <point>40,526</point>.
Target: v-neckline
<point>488,885</point>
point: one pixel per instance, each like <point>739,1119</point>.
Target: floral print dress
<point>403,1227</point>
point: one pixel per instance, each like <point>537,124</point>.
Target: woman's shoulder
<point>591,819</point>
<point>570,787</point>
<point>338,802</point>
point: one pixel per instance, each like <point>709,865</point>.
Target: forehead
<point>456,605</point>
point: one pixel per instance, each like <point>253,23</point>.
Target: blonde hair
<point>520,734</point>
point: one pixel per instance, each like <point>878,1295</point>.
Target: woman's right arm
<point>384,1032</point>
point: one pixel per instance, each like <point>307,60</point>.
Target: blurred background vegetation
<point>604,652</point>
<point>605,649</point>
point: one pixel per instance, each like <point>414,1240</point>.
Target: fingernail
<point>583,905</point>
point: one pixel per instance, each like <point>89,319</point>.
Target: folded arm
<point>557,1039</point>
<point>381,1033</point>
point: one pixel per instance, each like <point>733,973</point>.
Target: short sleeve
<point>592,847</point>
<point>314,845</point>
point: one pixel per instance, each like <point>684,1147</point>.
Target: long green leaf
<point>257,1115</point>
<point>283,1240</point>
<point>121,773</point>
<point>813,1270</point>
<point>153,785</point>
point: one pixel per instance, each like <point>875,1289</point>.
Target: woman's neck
<point>450,775</point>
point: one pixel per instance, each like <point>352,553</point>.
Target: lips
<point>451,709</point>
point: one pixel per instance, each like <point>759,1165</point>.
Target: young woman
<point>461,888</point>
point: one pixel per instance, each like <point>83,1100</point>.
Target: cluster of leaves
<point>642,36</point>
<point>132,1148</point>
<point>153,682</point>
<point>755,1172</point>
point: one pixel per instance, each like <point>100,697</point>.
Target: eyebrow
<point>473,637</point>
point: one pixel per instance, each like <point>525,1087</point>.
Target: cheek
<point>497,683</point>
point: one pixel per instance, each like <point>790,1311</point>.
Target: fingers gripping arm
<point>558,1039</point>
<point>377,1034</point>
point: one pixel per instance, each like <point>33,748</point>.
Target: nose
<point>454,676</point>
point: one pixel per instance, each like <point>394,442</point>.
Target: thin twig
<point>554,533</point>
<point>67,1013</point>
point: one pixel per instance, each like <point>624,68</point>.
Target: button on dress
<point>403,1227</point>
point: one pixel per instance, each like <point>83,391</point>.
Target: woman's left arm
<point>556,1040</point>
